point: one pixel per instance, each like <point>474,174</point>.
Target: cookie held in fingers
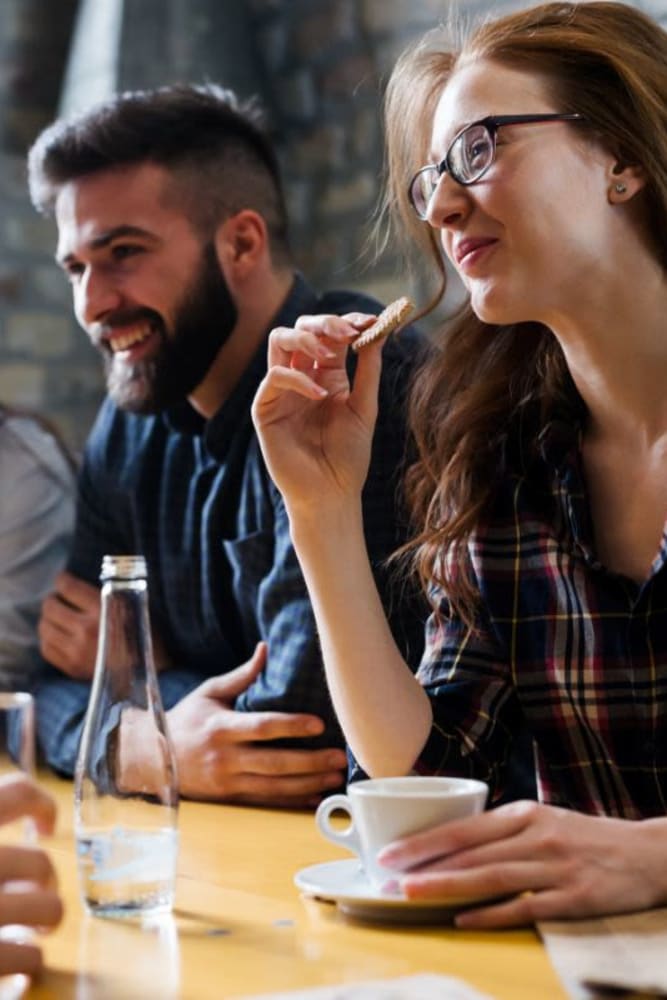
<point>390,319</point>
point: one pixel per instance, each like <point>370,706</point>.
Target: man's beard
<point>202,323</point>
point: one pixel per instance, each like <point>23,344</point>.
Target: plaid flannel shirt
<point>576,652</point>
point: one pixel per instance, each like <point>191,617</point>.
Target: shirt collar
<point>221,427</point>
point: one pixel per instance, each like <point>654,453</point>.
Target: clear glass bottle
<point>126,790</point>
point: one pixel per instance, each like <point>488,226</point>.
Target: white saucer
<point>344,882</point>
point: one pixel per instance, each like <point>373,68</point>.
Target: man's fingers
<point>58,617</point>
<point>19,796</point>
<point>295,790</point>
<point>251,727</point>
<point>77,593</point>
<point>229,686</point>
<point>274,761</point>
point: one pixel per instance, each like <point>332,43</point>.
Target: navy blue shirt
<point>194,498</point>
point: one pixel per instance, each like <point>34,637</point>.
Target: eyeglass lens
<point>467,159</point>
<point>471,154</point>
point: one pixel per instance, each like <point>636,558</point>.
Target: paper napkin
<point>625,952</point>
<point>426,987</point>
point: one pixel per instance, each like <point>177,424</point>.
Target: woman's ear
<point>625,181</point>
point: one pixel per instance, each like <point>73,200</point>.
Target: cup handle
<point>346,838</point>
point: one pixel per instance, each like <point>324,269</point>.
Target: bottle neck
<point>125,650</point>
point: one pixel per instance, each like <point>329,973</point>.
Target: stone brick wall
<point>318,67</point>
<point>45,363</point>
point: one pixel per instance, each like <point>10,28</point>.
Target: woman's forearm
<point>383,710</point>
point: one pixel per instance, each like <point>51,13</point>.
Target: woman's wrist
<point>329,519</point>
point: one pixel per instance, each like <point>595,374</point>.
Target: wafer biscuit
<point>389,320</point>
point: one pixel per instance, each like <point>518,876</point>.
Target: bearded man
<point>173,235</point>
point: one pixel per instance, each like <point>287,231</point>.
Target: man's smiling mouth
<point>130,338</point>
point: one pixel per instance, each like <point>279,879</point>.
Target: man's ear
<point>241,242</point>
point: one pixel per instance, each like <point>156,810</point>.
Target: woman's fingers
<point>487,881</point>
<point>20,904</point>
<point>26,864</point>
<point>25,959</point>
<point>279,380</point>
<point>19,796</point>
<point>320,339</point>
<point>456,836</point>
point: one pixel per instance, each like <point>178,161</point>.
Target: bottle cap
<point>123,568</point>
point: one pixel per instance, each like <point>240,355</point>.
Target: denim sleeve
<point>269,587</point>
<point>61,703</point>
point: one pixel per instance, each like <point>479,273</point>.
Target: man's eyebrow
<point>107,237</point>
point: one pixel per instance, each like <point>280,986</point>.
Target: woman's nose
<point>449,204</point>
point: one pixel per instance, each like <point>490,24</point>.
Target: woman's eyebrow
<point>456,130</point>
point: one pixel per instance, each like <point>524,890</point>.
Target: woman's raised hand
<point>316,430</point>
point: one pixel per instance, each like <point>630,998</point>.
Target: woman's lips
<point>470,250</point>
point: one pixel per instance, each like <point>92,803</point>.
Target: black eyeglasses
<point>470,155</point>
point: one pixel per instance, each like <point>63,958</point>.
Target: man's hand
<point>69,625</point>
<point>69,628</point>
<point>28,891</point>
<point>219,751</point>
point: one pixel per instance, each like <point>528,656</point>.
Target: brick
<point>13,182</point>
<point>50,287</point>
<point>11,283</point>
<point>81,381</point>
<point>28,234</point>
<point>322,147</point>
<point>273,45</point>
<point>297,96</point>
<point>22,384</point>
<point>39,334</point>
<point>356,195</point>
<point>349,78</point>
<point>382,16</point>
<point>327,26</point>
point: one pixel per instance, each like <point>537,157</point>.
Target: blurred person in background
<point>37,499</point>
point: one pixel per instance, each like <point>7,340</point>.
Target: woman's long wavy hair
<point>607,62</point>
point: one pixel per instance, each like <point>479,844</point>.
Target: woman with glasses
<point>535,161</point>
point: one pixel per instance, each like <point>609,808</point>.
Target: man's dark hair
<point>220,157</point>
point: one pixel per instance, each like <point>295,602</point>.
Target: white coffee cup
<point>383,809</point>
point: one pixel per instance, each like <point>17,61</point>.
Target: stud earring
<point>620,188</point>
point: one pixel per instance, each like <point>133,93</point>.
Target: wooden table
<point>240,926</point>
